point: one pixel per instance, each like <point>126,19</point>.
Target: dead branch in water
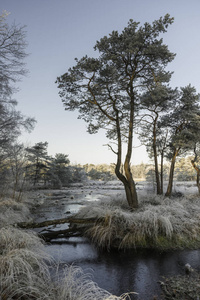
<point>70,220</point>
<point>72,231</point>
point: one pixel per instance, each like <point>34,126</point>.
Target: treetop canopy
<point>99,88</point>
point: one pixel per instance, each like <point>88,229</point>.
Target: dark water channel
<point>115,271</point>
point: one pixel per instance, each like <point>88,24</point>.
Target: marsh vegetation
<point>25,267</point>
<point>159,222</point>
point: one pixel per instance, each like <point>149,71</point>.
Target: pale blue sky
<point>60,30</point>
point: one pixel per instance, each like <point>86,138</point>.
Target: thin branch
<point>111,148</point>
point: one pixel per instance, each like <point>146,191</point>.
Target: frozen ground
<point>80,193</point>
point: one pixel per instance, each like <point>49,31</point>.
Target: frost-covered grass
<point>73,284</point>
<point>158,223</point>
<point>12,212</point>
<point>25,266</point>
<point>23,269</point>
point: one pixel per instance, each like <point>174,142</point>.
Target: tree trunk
<point>197,180</point>
<point>127,180</point>
<point>158,187</point>
<point>162,163</point>
<point>171,174</point>
<point>161,173</point>
<point>130,188</point>
<point>198,172</point>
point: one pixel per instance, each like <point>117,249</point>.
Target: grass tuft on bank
<point>182,286</point>
<point>159,223</point>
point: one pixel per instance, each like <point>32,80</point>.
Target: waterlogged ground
<point>116,271</point>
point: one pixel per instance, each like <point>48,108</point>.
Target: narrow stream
<point>116,271</point>
<point>124,271</point>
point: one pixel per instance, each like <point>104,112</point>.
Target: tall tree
<point>184,124</point>
<point>105,89</point>
<point>12,54</point>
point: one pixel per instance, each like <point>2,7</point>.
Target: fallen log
<point>65,233</point>
<point>70,220</point>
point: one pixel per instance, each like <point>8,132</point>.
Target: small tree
<point>38,161</point>
<point>16,163</point>
<point>59,172</point>
<point>105,89</point>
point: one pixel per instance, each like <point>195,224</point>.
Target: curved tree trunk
<point>171,174</point>
<point>127,180</point>
<point>130,187</point>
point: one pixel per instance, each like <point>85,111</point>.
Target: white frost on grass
<point>13,238</point>
<point>21,273</point>
<point>12,212</point>
<point>159,222</point>
<point>75,285</point>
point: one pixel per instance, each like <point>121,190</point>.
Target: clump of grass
<point>157,223</point>
<point>12,212</point>
<point>23,267</point>
<point>13,238</point>
<point>23,272</point>
<point>75,285</point>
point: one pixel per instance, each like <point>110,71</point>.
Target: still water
<point>120,272</point>
<point>116,271</point>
